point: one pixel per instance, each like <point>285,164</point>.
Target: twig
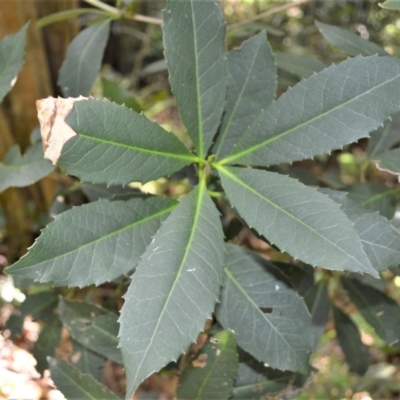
<point>115,11</point>
<point>149,20</point>
<point>267,13</point>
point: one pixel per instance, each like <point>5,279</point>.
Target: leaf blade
<point>251,87</point>
<point>389,161</point>
<point>94,243</point>
<point>12,50</point>
<point>284,202</point>
<point>76,385</point>
<point>111,134</point>
<point>379,310</point>
<point>193,35</point>
<point>342,107</point>
<point>176,285</point>
<point>18,170</point>
<point>212,373</point>
<point>379,238</point>
<point>347,333</point>
<point>252,284</point>
<point>92,326</point>
<point>83,60</point>
<point>349,41</point>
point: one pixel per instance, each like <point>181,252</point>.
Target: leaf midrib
<point>198,96</point>
<point>118,231</point>
<point>245,186</point>
<point>244,152</point>
<point>189,157</point>
<point>202,188</point>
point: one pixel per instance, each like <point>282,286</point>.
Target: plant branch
<point>267,13</point>
<point>105,7</point>
<point>115,11</point>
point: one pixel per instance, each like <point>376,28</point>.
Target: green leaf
<point>375,197</point>
<point>256,381</point>
<point>379,238</point>
<point>390,4</point>
<point>18,170</point>
<point>75,385</point>
<point>348,336</point>
<point>342,107</point>
<point>389,161</point>
<point>94,243</point>
<point>115,145</point>
<point>117,94</point>
<point>210,375</point>
<point>174,289</point>
<point>349,42</point>
<point>296,218</point>
<point>194,50</point>
<point>12,51</point>
<point>67,14</point>
<point>270,321</point>
<point>83,60</point>
<point>379,310</point>
<point>251,88</point>
<point>301,66</point>
<point>48,340</point>
<point>92,326</point>
<point>40,305</point>
<point>87,361</point>
<point>385,137</point>
<point>318,304</point>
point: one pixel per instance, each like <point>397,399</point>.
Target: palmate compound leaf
<point>212,372</point>
<point>270,321</point>
<point>94,243</point>
<point>379,238</point>
<point>12,50</point>
<point>102,142</point>
<point>92,326</point>
<point>337,106</point>
<point>18,170</point>
<point>251,88</point>
<point>83,60</point>
<point>75,385</point>
<point>193,34</point>
<point>299,220</point>
<point>349,41</point>
<point>174,288</point>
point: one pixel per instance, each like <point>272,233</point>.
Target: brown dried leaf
<point>55,131</point>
